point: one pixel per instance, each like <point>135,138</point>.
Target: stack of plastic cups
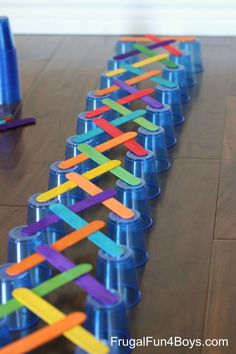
<point>145,168</point>
<point>5,337</point>
<point>186,60</point>
<point>155,141</point>
<point>124,47</point>
<point>21,319</point>
<point>114,64</point>
<point>85,125</point>
<point>136,198</point>
<point>178,76</point>
<point>119,273</point>
<point>194,47</point>
<point>171,96</point>
<point>164,118</point>
<point>129,232</point>
<point>57,176</point>
<point>9,77</point>
<point>108,323</point>
<point>21,246</point>
<point>93,102</point>
<point>36,211</point>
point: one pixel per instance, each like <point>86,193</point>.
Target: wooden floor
<point>189,284</point>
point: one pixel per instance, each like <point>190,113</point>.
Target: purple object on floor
<point>17,123</point>
<point>76,208</point>
<point>86,281</point>
<point>130,89</point>
<point>135,51</point>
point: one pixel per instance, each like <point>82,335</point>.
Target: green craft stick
<point>151,53</point>
<point>157,79</point>
<point>143,122</point>
<point>47,287</point>
<point>99,158</point>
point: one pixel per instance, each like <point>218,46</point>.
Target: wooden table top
<point>189,284</point>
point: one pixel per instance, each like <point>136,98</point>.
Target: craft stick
<point>112,203</point>
<point>145,39</point>
<point>143,122</point>
<point>132,81</point>
<point>44,335</point>
<point>127,99</point>
<point>86,282</point>
<point>98,238</point>
<point>157,79</point>
<point>17,123</point>
<point>97,131</point>
<point>139,64</point>
<point>130,89</point>
<point>50,314</point>
<point>76,208</point>
<point>67,186</point>
<point>107,145</point>
<point>171,49</point>
<point>109,128</point>
<point>99,158</point>
<point>47,287</point>
<point>135,51</point>
<point>150,53</point>
<point>60,245</point>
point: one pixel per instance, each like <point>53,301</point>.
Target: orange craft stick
<point>107,145</point>
<point>92,189</point>
<point>132,81</point>
<point>144,39</point>
<point>60,245</point>
<point>44,335</point>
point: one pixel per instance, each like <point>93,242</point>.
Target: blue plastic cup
<point>93,102</point>
<point>123,47</point>
<point>129,232</point>
<point>171,96</point>
<point>164,118</point>
<point>136,198</point>
<point>108,323</point>
<point>186,60</point>
<point>5,337</point>
<point>20,247</point>
<point>119,273</point>
<point>57,176</point>
<point>107,81</point>
<point>178,75</point>
<point>155,141</point>
<point>9,76</point>
<point>36,211</point>
<point>72,151</point>
<point>23,318</point>
<point>145,168</point>
<point>194,48</point>
<point>86,124</point>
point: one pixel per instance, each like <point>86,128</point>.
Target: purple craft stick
<point>135,51</point>
<point>130,89</point>
<point>76,208</point>
<point>86,281</point>
<point>17,123</point>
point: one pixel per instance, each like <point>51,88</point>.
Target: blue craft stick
<point>76,222</point>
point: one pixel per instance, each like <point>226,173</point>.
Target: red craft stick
<point>109,128</point>
<point>123,100</point>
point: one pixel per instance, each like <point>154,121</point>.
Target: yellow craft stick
<point>50,314</point>
<point>139,64</point>
<point>67,186</point>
